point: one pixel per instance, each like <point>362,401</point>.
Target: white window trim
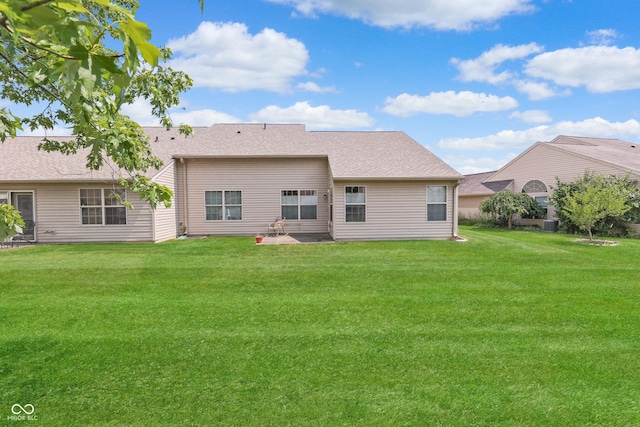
<point>224,206</point>
<point>299,203</point>
<point>546,187</point>
<point>104,192</point>
<point>445,203</point>
<point>355,204</point>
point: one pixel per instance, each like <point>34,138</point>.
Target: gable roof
<point>477,185</point>
<point>351,155</point>
<point>612,151</point>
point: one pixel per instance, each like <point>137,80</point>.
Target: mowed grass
<point>508,329</point>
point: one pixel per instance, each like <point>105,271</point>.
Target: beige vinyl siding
<point>394,210</point>
<point>545,163</point>
<point>164,219</point>
<point>58,218</point>
<point>469,206</point>
<point>260,181</point>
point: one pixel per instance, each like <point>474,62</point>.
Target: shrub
<point>597,204</point>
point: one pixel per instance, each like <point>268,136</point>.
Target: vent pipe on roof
<point>265,126</point>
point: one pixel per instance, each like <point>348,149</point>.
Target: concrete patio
<point>292,239</point>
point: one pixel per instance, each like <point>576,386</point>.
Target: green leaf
<point>139,33</point>
<point>106,63</point>
<point>41,16</point>
<point>78,52</point>
<point>72,6</point>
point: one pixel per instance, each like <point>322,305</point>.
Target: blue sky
<point>475,81</point>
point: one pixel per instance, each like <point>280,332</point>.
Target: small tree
<point>504,204</point>
<point>612,221</point>
<point>596,201</point>
<point>10,222</point>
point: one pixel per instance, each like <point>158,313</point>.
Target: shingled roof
<point>612,151</point>
<point>476,185</point>
<point>361,155</point>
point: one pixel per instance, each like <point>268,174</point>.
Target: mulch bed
<point>595,242</point>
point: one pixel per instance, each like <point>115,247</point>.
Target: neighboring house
<point>566,158</point>
<point>475,188</point>
<point>235,179</point>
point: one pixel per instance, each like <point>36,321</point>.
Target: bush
<point>478,220</point>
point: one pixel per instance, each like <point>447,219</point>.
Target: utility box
<point>550,225</point>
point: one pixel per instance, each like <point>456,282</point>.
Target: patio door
<point>23,202</point>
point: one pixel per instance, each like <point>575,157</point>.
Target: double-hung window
<point>223,205</point>
<point>299,204</point>
<point>436,203</point>
<point>355,200</point>
<point>103,206</point>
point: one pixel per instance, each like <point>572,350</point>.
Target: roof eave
<point>399,178</point>
<point>249,156</point>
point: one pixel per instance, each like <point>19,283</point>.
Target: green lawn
<point>509,329</point>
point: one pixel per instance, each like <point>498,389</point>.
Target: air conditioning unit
<point>550,225</point>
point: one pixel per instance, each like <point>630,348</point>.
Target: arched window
<point>534,186</point>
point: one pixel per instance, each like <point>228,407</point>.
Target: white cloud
<point>56,131</point>
<point>459,104</point>
<point>532,116</point>
<point>483,68</point>
<point>509,139</point>
<point>225,56</point>
<point>598,68</point>
<point>205,117</point>
<point>537,91</point>
<point>140,112</point>
<point>436,14</point>
<point>314,87</point>
<point>321,117</point>
<point>603,37</point>
<point>468,165</point>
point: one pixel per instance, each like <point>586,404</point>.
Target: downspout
<point>454,226</point>
<point>185,210</point>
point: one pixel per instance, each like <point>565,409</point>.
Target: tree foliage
<point>505,204</point>
<point>78,62</point>
<point>10,222</point>
<point>597,204</point>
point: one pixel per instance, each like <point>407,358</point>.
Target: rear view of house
<point>235,179</point>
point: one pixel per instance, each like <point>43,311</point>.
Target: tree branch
<point>35,4</point>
